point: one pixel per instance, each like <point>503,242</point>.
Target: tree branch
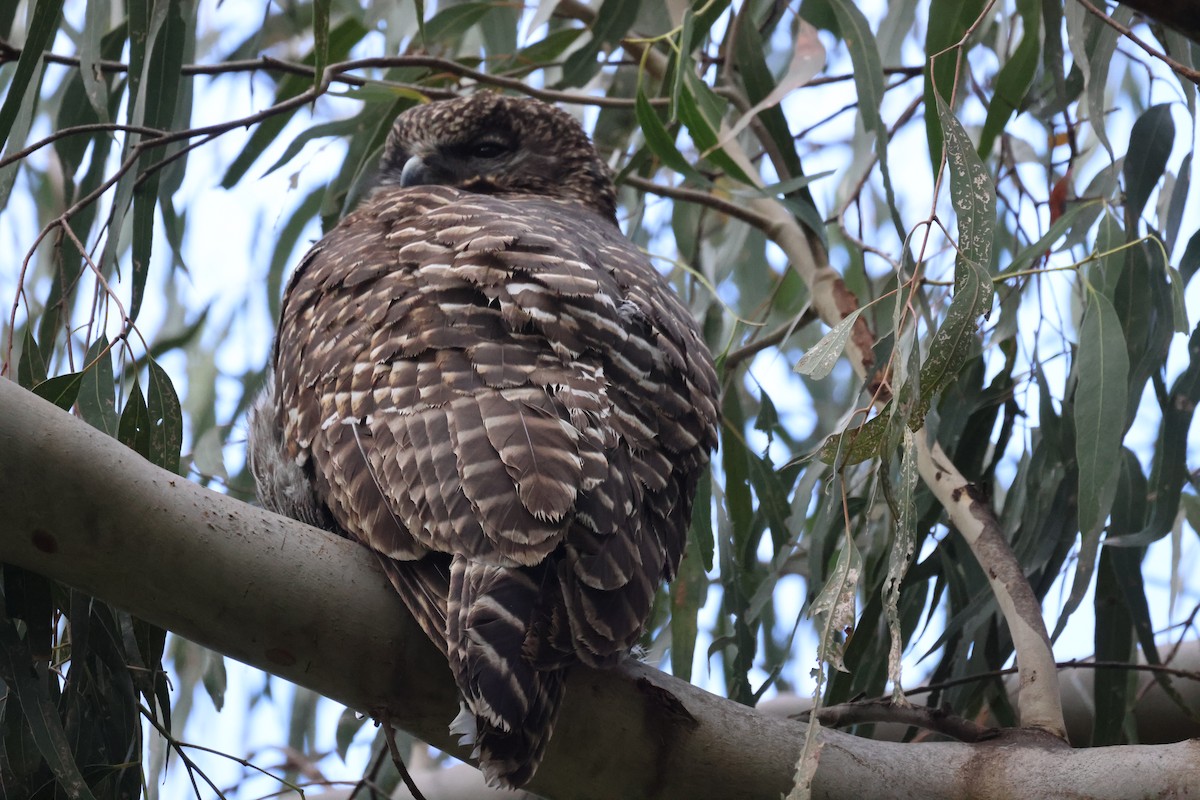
<point>317,610</point>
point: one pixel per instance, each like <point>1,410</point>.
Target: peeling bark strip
<point>126,528</point>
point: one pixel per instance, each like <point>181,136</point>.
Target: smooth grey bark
<point>312,608</point>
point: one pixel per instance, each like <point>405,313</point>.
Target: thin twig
<point>698,197</point>
<point>389,735</point>
<point>777,336</point>
<point>1072,664</point>
<point>1180,69</point>
<point>75,130</point>
<point>369,777</point>
<point>338,70</point>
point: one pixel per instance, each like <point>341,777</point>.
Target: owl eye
<point>488,149</point>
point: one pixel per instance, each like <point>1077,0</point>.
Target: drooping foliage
<point>1003,194</point>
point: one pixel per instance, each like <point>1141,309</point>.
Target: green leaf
<point>320,51</point>
<point>31,368</point>
<point>868,80</point>
<point>858,444</point>
<point>501,32</point>
<point>60,390</point>
<point>18,132</point>
<point>158,96</point>
<point>736,542</point>
<point>973,194</point>
<point>1092,43</point>
<point>452,22</point>
<point>215,680</point>
<point>701,528</point>
<point>818,361</point>
<point>1127,565</point>
<point>419,6</point>
<point>44,723</point>
<point>43,24</point>
<point>349,724</point>
<point>682,63</point>
<point>335,129</point>
<point>1101,398</point>
<point>133,431</point>
<point>782,189</point>
<point>1189,262</point>
<point>1178,301</point>
<point>548,49</point>
<point>342,38</point>
<point>688,593</point>
<point>1179,198</point>
<point>1150,144</point>
<point>147,642</point>
<point>613,20</point>
<point>1169,472</point>
<point>1145,307</point>
<point>770,489</point>
<point>701,111</point>
<point>736,461</point>
<point>1114,643</point>
<point>165,418</point>
<point>949,21</point>
<point>1015,76</point>
<point>96,17</point>
<point>660,141</point>
<point>1025,258</point>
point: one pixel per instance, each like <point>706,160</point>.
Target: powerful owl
<point>478,377</point>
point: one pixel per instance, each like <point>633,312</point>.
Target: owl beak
<point>417,173</point>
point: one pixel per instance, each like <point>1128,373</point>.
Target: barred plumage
<point>478,377</point>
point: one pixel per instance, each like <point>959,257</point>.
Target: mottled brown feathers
<point>483,381</point>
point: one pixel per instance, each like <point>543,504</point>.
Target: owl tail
<point>510,703</point>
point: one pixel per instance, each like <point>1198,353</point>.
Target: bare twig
<point>389,735</point>
<point>1180,69</point>
<point>1161,669</point>
<point>339,70</point>
<point>777,336</point>
<point>76,130</point>
<point>698,197</point>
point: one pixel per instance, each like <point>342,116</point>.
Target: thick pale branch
<point>1040,699</point>
<point>315,609</point>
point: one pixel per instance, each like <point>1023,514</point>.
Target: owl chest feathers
<point>464,326</point>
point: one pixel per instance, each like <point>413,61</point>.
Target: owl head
<point>495,144</point>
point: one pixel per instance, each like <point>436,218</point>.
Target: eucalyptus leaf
<point>1150,144</point>
<point>818,361</point>
<point>1101,397</point>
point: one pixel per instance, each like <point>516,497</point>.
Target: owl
<point>481,379</point>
